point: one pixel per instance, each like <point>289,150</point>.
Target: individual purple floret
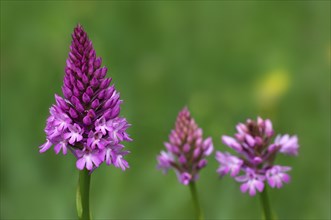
<point>86,121</point>
<point>257,153</point>
<point>186,150</point>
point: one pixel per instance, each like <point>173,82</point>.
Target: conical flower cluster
<point>257,153</point>
<point>186,150</point>
<point>86,121</point>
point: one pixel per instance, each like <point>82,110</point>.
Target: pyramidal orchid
<point>254,165</point>
<point>186,153</point>
<point>86,121</point>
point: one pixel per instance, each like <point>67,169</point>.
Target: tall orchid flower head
<point>186,150</point>
<point>256,153</point>
<point>86,120</point>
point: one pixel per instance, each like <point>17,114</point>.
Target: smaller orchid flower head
<point>186,150</point>
<point>256,152</point>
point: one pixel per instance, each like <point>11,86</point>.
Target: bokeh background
<point>227,61</point>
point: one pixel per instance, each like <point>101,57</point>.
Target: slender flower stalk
<point>83,195</point>
<point>186,153</point>
<point>197,207</point>
<point>257,153</point>
<point>86,120</point>
<point>266,204</point>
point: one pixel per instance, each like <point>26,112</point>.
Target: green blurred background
<point>226,60</point>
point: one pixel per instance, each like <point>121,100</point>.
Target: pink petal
<point>223,170</point>
<point>285,168</point>
<point>250,140</point>
<point>120,162</point>
<point>79,137</point>
<point>96,160</point>
<point>45,146</point>
<point>244,187</point>
<point>241,128</point>
<point>108,157</point>
<point>67,135</point>
<point>235,170</point>
<point>279,183</point>
<point>168,146</point>
<point>208,146</point>
<point>259,185</point>
<point>89,164</point>
<point>242,178</point>
<point>271,182</point>
<point>64,150</point>
<point>220,157</point>
<point>268,128</point>
<point>252,190</point>
<point>286,178</point>
<point>57,148</point>
<point>80,164</point>
<point>72,139</point>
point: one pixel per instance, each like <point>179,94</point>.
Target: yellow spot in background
<point>271,88</point>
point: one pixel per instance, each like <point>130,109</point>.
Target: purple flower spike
<point>257,153</point>
<point>186,150</point>
<point>86,121</point>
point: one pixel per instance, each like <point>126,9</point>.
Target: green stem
<point>83,195</point>
<point>265,204</point>
<point>196,203</point>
